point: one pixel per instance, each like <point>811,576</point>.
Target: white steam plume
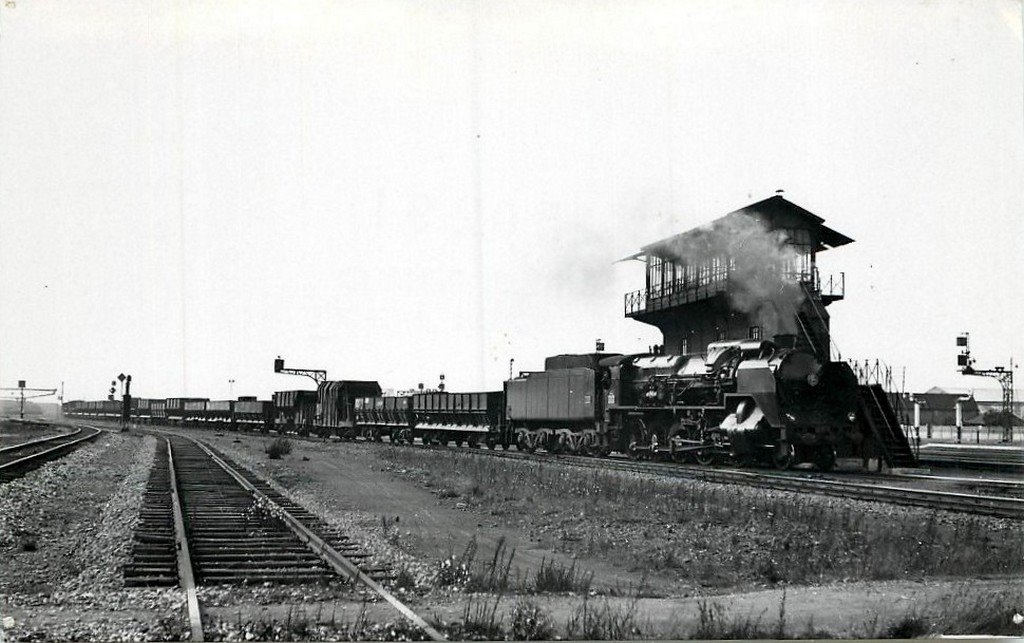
<point>760,283</point>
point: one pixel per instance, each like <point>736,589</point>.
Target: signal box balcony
<point>677,293</point>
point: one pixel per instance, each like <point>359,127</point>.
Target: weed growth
<point>718,535</point>
<point>530,623</point>
<point>279,448</point>
<point>497,573</point>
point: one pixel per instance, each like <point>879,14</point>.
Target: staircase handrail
<point>886,452</point>
<point>880,373</point>
<point>819,310</point>
<point>878,389</point>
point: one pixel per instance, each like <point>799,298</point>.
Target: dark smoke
<point>759,285</point>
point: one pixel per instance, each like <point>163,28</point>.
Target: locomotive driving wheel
<point>705,457</point>
<point>712,443</point>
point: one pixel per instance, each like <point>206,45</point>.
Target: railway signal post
<point>126,402</point>
<point>21,391</point>
<point>316,375</point>
<point>1002,374</point>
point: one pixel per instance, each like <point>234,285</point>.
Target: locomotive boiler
<point>751,401</point>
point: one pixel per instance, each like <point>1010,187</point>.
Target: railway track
<point>976,504</point>
<point>18,459</point>
<point>1006,458</point>
<point>207,521</point>
<point>981,504</point>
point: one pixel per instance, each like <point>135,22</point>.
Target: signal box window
<point>719,334</point>
<point>755,332</point>
<point>684,347</point>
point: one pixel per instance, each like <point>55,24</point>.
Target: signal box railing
<point>678,292</point>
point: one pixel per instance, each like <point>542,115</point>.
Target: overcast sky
<point>392,190</point>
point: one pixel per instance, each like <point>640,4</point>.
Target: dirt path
<point>854,610</point>
<point>350,477</point>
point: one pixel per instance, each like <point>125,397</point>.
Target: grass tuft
<point>530,623</point>
<point>603,622</point>
<point>278,448</point>
<point>553,577</point>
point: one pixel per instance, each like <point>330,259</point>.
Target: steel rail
<point>336,560</point>
<point>41,456</point>
<point>50,438</point>
<point>985,505</point>
<point>975,504</point>
<point>185,578</point>
<point>990,482</point>
<point>993,506</point>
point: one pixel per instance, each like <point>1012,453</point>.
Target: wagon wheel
<point>523,443</point>
<point>563,443</point>
<point>587,443</point>
<point>783,455</point>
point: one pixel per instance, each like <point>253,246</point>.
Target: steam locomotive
<point>749,402</point>
<point>753,402</point>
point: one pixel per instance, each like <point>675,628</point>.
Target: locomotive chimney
<point>599,346</point>
<point>785,340</point>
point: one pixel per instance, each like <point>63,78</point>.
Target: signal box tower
<point>693,284</point>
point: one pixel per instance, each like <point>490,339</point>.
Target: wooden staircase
<point>875,411</point>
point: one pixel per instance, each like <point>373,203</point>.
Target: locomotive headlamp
<point>813,379</point>
<point>851,416</point>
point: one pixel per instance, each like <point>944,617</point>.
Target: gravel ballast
<point>65,533</point>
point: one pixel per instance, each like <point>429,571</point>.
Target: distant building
<point>751,274</point>
<point>938,407</point>
<point>983,399</point>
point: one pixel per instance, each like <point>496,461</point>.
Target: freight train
<point>748,402</point>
